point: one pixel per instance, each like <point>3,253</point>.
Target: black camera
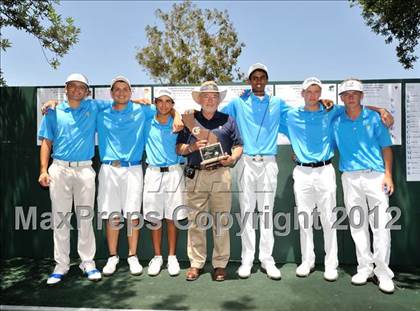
<point>189,172</point>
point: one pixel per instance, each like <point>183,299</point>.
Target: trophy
<point>212,153</point>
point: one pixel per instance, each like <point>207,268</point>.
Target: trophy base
<point>213,161</point>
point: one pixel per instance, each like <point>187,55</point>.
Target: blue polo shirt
<point>360,141</point>
<point>311,132</point>
<point>72,130</point>
<point>161,144</point>
<point>258,121</point>
<point>222,125</point>
<point>121,133</point>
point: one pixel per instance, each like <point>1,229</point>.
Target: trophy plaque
<point>212,153</point>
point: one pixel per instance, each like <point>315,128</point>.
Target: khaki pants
<point>209,191</point>
<point>68,185</point>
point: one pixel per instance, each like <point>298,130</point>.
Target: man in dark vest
<point>211,142</point>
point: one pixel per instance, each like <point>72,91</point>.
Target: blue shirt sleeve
<point>284,109</point>
<point>149,111</point>
<point>334,130</point>
<point>147,128</point>
<point>48,126</point>
<point>230,108</point>
<point>336,111</point>
<point>284,130</point>
<point>382,133</point>
<point>235,135</point>
<point>102,104</point>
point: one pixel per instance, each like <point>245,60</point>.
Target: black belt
<point>315,164</point>
<point>163,169</point>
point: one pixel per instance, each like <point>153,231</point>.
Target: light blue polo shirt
<point>161,144</point>
<point>121,133</point>
<point>258,122</point>
<point>72,130</point>
<point>311,133</point>
<point>360,142</point>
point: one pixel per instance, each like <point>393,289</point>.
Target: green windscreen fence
<point>22,196</point>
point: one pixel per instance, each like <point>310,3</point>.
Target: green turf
<point>23,283</point>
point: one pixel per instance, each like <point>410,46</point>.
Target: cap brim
<point>351,89</point>
<point>250,74</point>
<point>320,85</point>
<point>77,81</point>
<point>196,95</point>
<point>120,80</point>
<point>165,95</point>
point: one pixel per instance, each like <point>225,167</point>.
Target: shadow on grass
<point>243,303</point>
<point>23,283</point>
<point>408,278</point>
<point>172,302</point>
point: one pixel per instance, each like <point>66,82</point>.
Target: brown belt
<point>206,167</point>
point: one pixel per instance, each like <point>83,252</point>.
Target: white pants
<point>257,186</point>
<point>163,194</point>
<point>68,184</point>
<point>363,191</point>
<point>316,187</point>
<point>120,191</point>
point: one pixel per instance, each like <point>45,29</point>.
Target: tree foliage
<point>194,45</point>
<point>39,19</point>
<point>397,20</point>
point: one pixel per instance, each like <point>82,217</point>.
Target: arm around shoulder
<point>386,116</point>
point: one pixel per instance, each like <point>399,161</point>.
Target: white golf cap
<point>350,85</point>
<point>311,81</point>
<point>77,77</point>
<point>164,92</point>
<point>120,79</point>
<point>257,66</point>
